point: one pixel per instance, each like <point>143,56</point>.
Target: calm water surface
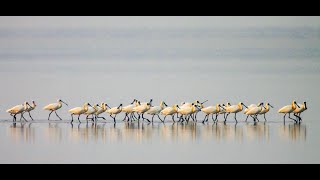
<point>201,60</point>
<point>245,142</point>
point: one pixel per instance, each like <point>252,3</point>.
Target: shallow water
<point>114,60</point>
<point>105,142</point>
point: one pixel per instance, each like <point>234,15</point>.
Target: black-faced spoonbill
<point>265,110</point>
<point>211,110</point>
<point>54,107</point>
<point>91,111</point>
<point>169,111</point>
<point>79,111</point>
<point>30,108</point>
<point>100,109</point>
<point>249,107</point>
<point>234,109</point>
<point>254,111</point>
<point>18,109</point>
<point>288,109</point>
<point>129,110</point>
<point>299,110</point>
<point>115,111</point>
<point>142,108</point>
<point>155,110</point>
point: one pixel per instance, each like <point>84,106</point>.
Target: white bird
<point>288,109</point>
<point>249,107</point>
<point>234,109</point>
<point>254,111</point>
<point>18,109</point>
<point>185,111</point>
<point>142,108</point>
<point>169,111</point>
<point>91,111</point>
<point>129,109</point>
<point>196,110</point>
<point>30,108</point>
<point>54,107</point>
<point>299,110</point>
<point>211,110</point>
<point>79,111</point>
<point>265,110</point>
<point>223,110</point>
<point>155,110</point>
<point>100,109</point>
<point>114,110</point>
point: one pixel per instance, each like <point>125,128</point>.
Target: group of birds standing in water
<point>184,112</point>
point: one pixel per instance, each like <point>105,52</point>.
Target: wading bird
<point>299,110</point>
<point>249,107</point>
<point>254,111</point>
<point>234,109</point>
<point>265,110</point>
<point>155,110</point>
<point>129,110</point>
<point>30,108</point>
<point>186,111</point>
<point>142,108</point>
<point>211,110</point>
<point>91,111</point>
<point>54,107</point>
<point>100,109</point>
<point>79,111</point>
<point>115,111</point>
<point>288,109</point>
<point>18,109</point>
<point>169,111</point>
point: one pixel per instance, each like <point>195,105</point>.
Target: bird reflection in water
<point>293,132</point>
<point>145,132</point>
<point>53,132</point>
<point>22,132</point>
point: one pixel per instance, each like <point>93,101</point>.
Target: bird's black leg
<point>79,118</point>
<point>247,118</point>
<point>292,118</point>
<point>71,118</point>
<point>159,118</point>
<point>23,117</point>
<point>58,115</point>
<point>50,115</point>
<point>205,117</point>
<point>144,118</point>
<point>30,116</point>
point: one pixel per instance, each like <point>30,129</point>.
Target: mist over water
<point>174,60</point>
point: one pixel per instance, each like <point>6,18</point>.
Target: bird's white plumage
<point>142,108</point>
<point>169,110</point>
<point>114,110</point>
<point>18,108</point>
<point>211,109</point>
<point>79,110</point>
<point>301,109</point>
<point>234,108</point>
<point>288,108</point>
<point>91,110</point>
<point>254,110</point>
